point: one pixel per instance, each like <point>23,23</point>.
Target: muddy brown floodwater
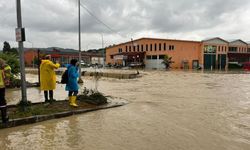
<point>167,110</point>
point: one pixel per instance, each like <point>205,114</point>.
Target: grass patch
<point>45,109</point>
<point>88,99</point>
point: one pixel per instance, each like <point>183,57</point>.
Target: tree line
<point>7,49</point>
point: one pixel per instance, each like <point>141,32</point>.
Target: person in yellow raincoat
<point>5,73</point>
<point>48,77</point>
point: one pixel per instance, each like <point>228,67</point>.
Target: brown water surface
<point>167,110</point>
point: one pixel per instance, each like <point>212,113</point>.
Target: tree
<point>13,51</point>
<point>6,47</point>
<point>167,61</point>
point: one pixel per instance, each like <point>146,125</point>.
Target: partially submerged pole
<point>20,37</point>
<point>79,42</point>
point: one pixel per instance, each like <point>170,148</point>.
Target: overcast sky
<point>55,22</point>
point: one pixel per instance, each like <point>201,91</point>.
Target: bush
<point>12,61</point>
<point>92,97</point>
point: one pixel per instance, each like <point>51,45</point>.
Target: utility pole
<point>38,66</point>
<point>79,36</point>
<point>20,38</point>
<point>103,53</point>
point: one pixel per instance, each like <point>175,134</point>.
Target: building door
<point>209,61</point>
<point>195,64</point>
<point>222,61</point>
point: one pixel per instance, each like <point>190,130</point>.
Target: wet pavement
<point>168,110</point>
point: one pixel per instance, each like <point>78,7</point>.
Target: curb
<point>40,118</point>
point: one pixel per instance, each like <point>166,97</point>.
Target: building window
<point>126,48</point>
<point>222,48</point>
<point>134,48</point>
<point>138,48</point>
<point>165,46</point>
<point>232,49</point>
<point>129,48</point>
<point>146,47</point>
<point>120,50</point>
<point>148,56</point>
<point>159,46</point>
<point>218,48</point>
<point>171,47</point>
<point>154,56</point>
<point>111,56</point>
<point>161,56</point>
<point>151,47</point>
<point>248,50</point>
<point>155,46</point>
<point>142,48</point>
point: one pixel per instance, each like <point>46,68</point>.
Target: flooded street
<point>167,110</point>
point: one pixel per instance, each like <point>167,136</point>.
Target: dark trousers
<point>73,93</point>
<point>50,95</point>
<point>2,97</point>
<point>3,105</point>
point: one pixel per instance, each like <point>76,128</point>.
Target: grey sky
<point>54,22</point>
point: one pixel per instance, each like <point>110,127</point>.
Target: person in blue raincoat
<point>72,85</point>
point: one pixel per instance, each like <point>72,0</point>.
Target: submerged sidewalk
<point>39,112</point>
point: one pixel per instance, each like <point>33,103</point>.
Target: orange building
<point>214,53</point>
<point>29,56</point>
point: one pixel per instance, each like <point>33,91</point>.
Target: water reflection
<point>167,110</point>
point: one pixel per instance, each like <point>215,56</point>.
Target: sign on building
<point>209,49</point>
<point>118,57</point>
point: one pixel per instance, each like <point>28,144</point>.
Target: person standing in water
<point>72,84</point>
<point>5,72</point>
<point>48,77</point>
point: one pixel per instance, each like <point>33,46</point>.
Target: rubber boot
<point>74,101</point>
<point>70,100</point>
<point>46,96</point>
<point>51,99</point>
<point>5,118</point>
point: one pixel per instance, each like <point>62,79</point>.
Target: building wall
<point>29,55</point>
<point>182,50</point>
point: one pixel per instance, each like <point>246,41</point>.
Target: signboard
<point>209,49</point>
<point>20,34</point>
<point>118,57</point>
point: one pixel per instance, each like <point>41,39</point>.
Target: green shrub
<point>92,97</point>
<point>12,61</point>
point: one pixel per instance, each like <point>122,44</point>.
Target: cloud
<point>55,23</point>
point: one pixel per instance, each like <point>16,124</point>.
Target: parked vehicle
<point>136,65</point>
<point>234,65</point>
<point>246,66</point>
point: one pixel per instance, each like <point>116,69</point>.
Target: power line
<point>92,14</point>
